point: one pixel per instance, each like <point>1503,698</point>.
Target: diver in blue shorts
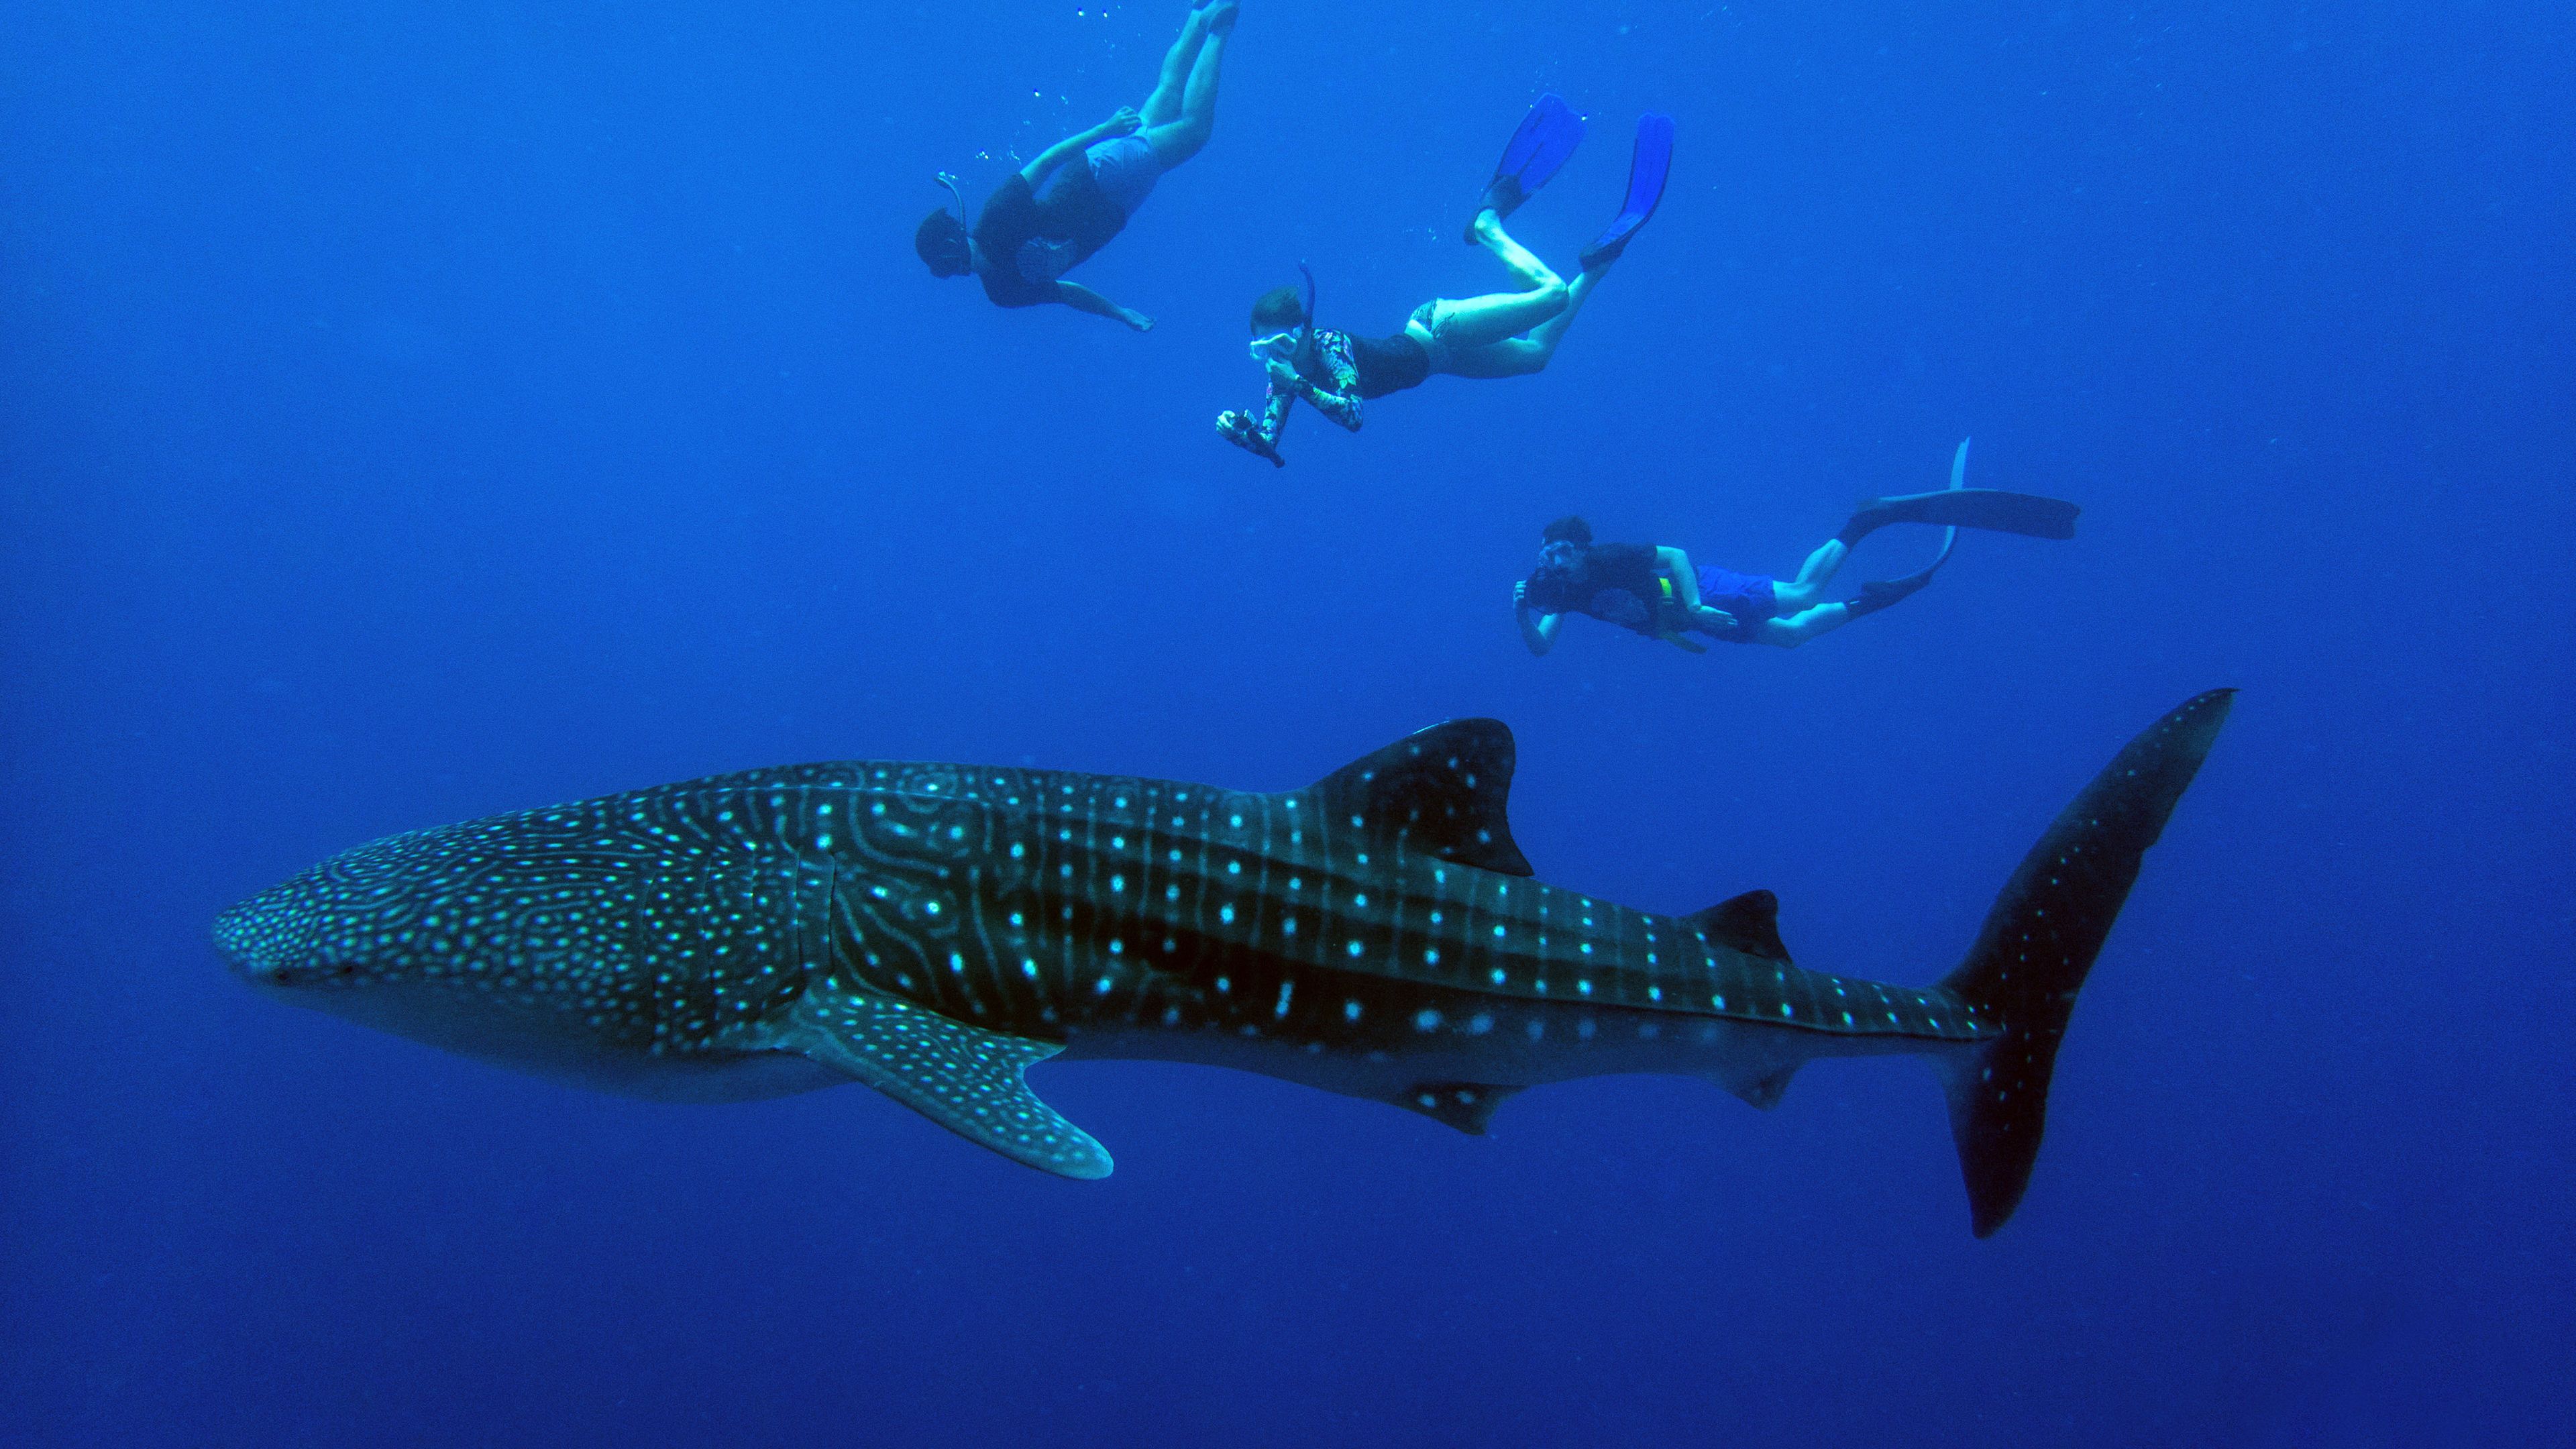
<point>1052,214</point>
<point>1657,591</point>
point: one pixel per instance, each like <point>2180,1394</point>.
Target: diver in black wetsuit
<point>1051,215</point>
<point>1657,591</point>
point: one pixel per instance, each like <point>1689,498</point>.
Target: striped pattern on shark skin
<point>933,930</point>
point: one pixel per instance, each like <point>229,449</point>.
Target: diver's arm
<point>1275,404</point>
<point>1274,413</point>
<point>1538,630</point>
<point>1675,565</point>
<point>1082,299</point>
<point>1122,124</point>
<point>1341,401</point>
<point>1342,408</point>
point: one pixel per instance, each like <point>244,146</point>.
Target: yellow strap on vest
<point>1671,636</point>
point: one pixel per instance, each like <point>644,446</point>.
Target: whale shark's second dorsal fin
<point>1443,790</point>
<point>1749,923</point>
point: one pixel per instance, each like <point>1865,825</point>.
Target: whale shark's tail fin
<point>2040,939</point>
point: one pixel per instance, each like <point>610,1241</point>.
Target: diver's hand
<point>1238,429</point>
<point>1520,593</point>
<point>1125,123</point>
<point>1136,319</point>
<point>1283,374</point>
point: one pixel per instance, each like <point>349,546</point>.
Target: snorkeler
<point>1505,334</point>
<point>1051,215</point>
<point>1657,591</point>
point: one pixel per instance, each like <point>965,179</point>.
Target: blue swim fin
<point>1649,165</point>
<point>1548,135</point>
<point>1958,480</point>
<point>1877,594</point>
<point>1949,539</point>
<point>1992,509</point>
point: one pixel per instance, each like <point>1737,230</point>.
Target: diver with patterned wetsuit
<point>1500,334</point>
<point>1334,374</point>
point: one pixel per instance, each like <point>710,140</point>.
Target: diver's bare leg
<point>1798,628</point>
<point>1164,105</point>
<point>1813,575</point>
<point>1177,140</point>
<point>1534,274</point>
<point>1533,351</point>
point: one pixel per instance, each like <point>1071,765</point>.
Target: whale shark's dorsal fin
<point>1749,923</point>
<point>1443,790</point>
<point>962,1077</point>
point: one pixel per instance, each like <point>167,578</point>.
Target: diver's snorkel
<point>1307,345</point>
<point>1296,346</point>
<point>965,217</point>
<point>945,240</point>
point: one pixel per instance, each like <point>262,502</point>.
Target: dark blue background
<point>417,411</point>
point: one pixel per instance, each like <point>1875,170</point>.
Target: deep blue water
<point>414,412</point>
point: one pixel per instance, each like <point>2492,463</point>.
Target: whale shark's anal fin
<point>962,1077</point>
<point>1763,1091</point>
<point>1463,1105</point>
<point>1443,790</point>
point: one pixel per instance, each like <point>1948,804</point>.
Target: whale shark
<point>933,930</point>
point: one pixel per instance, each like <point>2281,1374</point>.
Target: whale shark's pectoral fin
<point>1463,1105</point>
<point>962,1077</point>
